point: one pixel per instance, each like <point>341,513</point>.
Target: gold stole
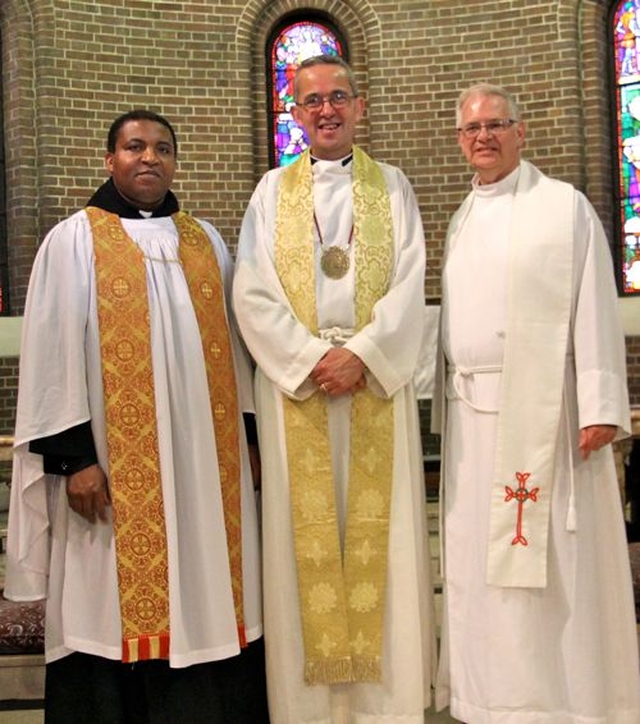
<point>207,295</point>
<point>341,601</point>
<point>132,440</point>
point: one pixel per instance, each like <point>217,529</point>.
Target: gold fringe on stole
<point>207,294</point>
<point>342,606</point>
<point>134,474</point>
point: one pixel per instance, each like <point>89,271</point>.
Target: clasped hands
<point>339,372</point>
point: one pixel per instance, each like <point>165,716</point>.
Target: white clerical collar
<point>505,185</point>
<point>344,161</point>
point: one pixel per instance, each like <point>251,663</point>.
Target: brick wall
<point>8,393</point>
<point>633,369</point>
<point>70,66</point>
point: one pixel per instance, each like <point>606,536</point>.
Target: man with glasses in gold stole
<point>133,510</point>
<point>329,297</point>
<point>539,622</point>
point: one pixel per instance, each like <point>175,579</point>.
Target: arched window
<point>625,29</point>
<point>294,39</point>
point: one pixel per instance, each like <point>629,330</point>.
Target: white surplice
<point>56,553</point>
<point>566,653</point>
<point>286,353</point>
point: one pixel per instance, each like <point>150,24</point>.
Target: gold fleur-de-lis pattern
<point>342,604</point>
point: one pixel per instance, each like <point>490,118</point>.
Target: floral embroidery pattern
<point>364,597</point>
<point>322,598</point>
<point>314,505</point>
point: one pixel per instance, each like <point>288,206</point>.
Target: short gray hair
<point>326,60</point>
<point>487,89</point>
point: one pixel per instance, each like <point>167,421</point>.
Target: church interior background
<point>219,70</point>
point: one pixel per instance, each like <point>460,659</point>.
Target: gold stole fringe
<point>342,604</point>
<point>134,473</point>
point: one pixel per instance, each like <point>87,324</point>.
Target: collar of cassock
<point>108,198</point>
<point>344,161</point>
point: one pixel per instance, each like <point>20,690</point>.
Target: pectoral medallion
<point>334,262</point>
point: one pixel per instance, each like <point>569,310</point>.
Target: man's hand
<point>594,437</point>
<point>338,372</point>
<point>88,493</point>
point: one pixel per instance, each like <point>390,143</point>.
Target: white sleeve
<point>598,340</point>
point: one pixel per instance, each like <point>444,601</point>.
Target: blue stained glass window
<point>292,43</point>
<point>626,47</point>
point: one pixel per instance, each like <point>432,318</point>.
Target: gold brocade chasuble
<point>341,596</point>
<point>131,422</point>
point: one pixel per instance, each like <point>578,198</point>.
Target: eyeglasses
<point>337,99</point>
<point>493,128</point>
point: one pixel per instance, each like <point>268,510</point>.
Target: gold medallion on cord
<point>334,262</point>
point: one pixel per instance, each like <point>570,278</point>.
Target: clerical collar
<point>108,198</point>
<point>344,161</point>
<point>504,185</point>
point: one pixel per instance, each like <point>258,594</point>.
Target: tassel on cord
<point>571,523</point>
<point>572,519</point>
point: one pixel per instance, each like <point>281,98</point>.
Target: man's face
<point>331,131</point>
<point>492,155</point>
<point>143,163</point>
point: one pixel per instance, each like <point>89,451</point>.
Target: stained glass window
<point>626,45</point>
<point>290,44</point>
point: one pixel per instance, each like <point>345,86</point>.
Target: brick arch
<point>24,62</point>
<point>586,21</point>
<point>357,21</point>
<point>581,31</point>
<point>595,108</point>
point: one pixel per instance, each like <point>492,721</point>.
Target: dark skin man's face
<point>143,164</point>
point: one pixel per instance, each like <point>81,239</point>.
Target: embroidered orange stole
<point>132,440</point>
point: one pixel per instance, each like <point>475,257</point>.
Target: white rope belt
<point>458,373</point>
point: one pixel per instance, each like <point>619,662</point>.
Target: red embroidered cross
<point>521,494</point>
